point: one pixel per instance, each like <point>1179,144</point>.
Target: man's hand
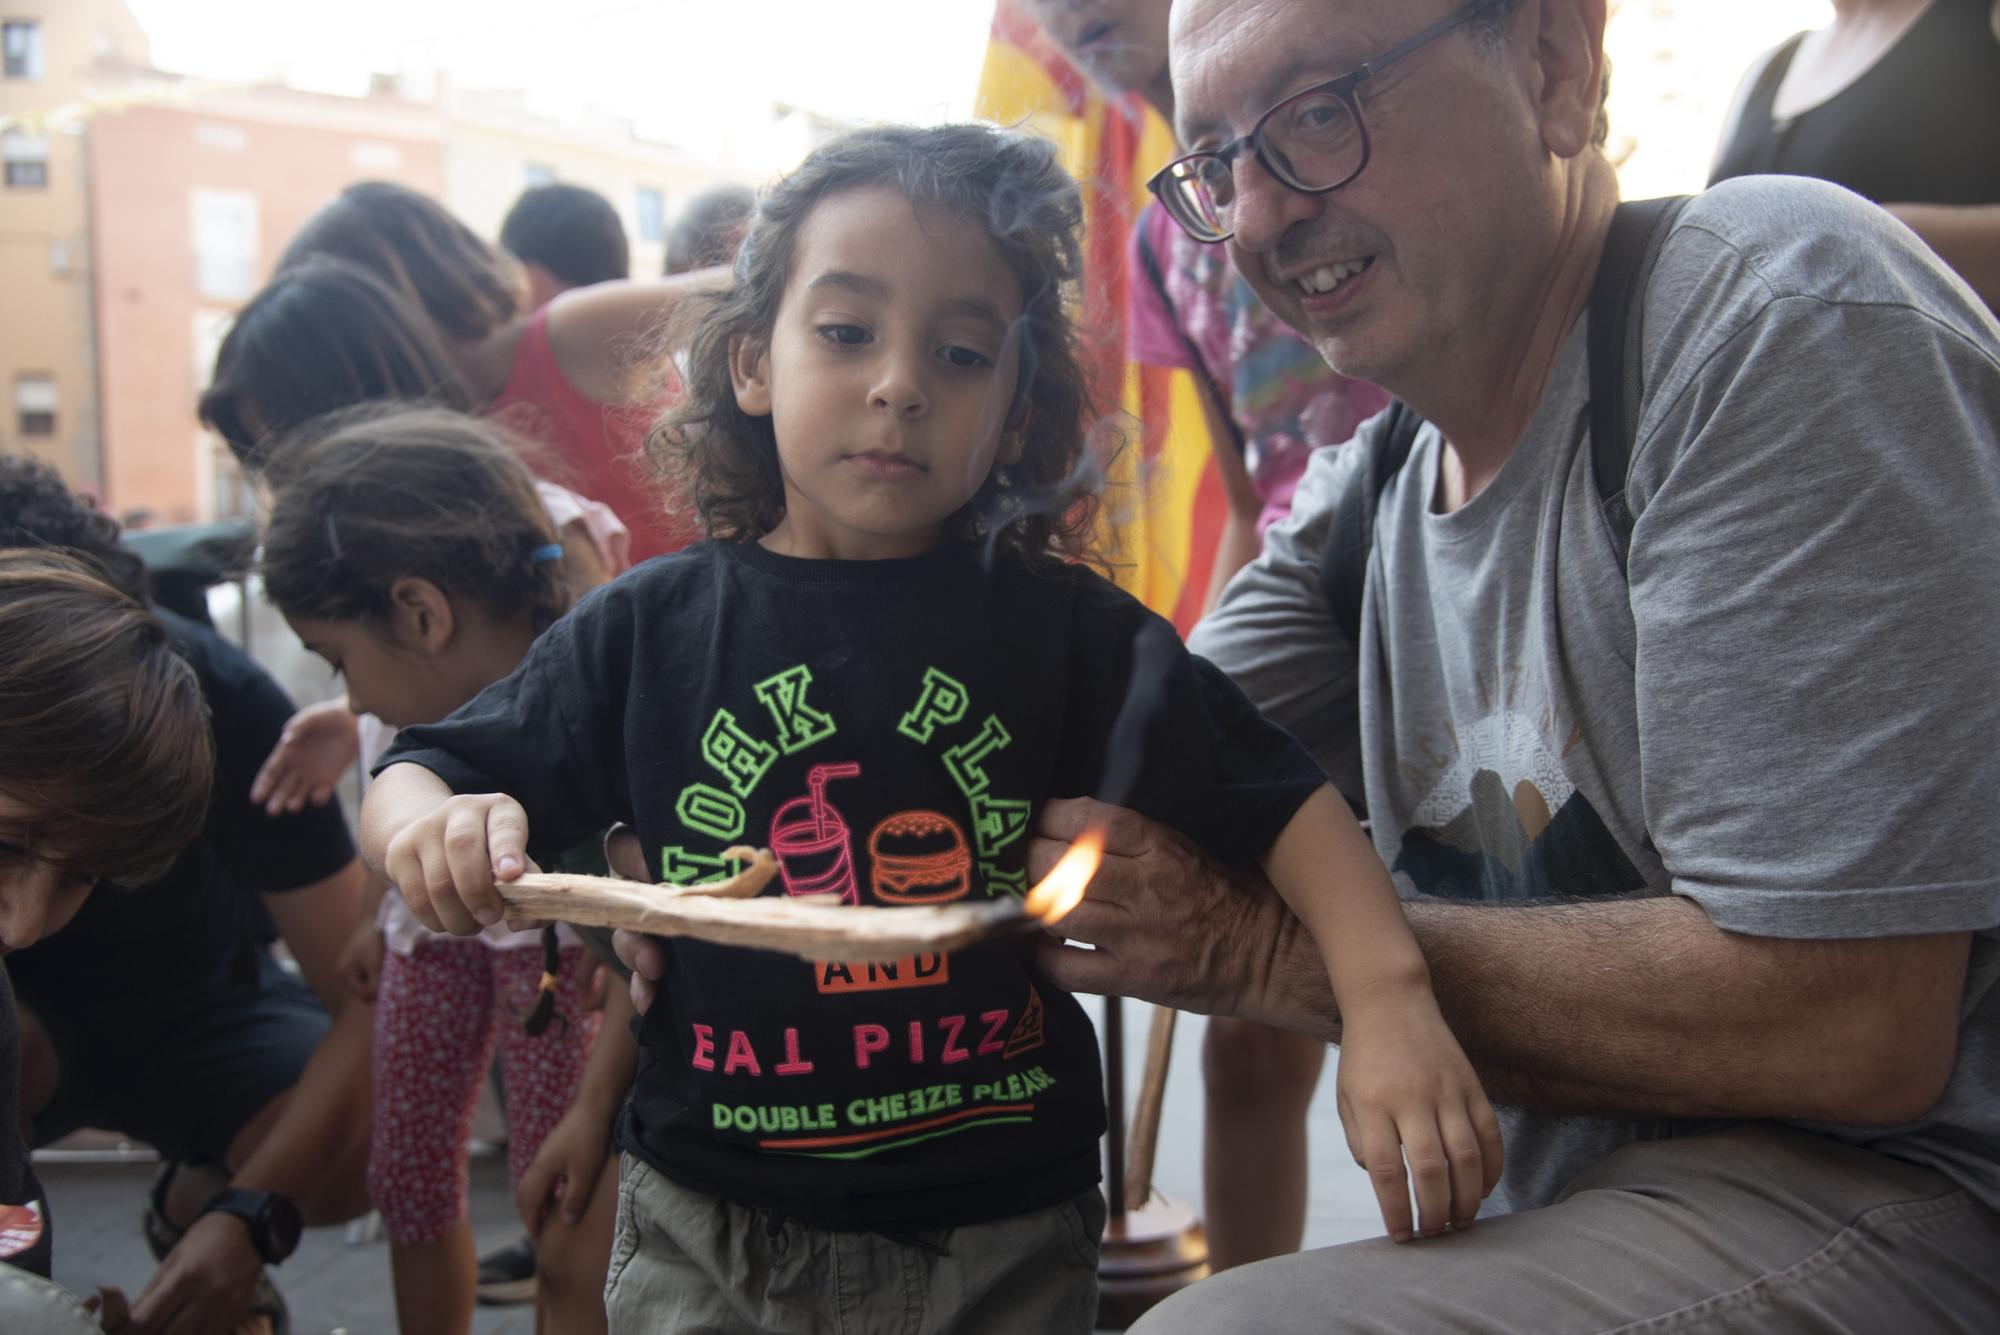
<point>637,951</point>
<point>318,746</point>
<point>203,1287</point>
<point>1171,926</point>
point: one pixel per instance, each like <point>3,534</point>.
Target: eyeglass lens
<point>1311,142</point>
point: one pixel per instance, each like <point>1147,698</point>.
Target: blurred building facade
<point>47,355</point>
<point>194,198</point>
<point>141,210</point>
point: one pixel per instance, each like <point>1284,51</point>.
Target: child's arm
<point>318,746</point>
<point>443,850</point>
<point>566,1168</point>
<point>1406,1088</point>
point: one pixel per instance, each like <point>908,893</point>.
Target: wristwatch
<point>273,1221</point>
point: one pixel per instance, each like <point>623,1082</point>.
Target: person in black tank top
<point>1919,127</point>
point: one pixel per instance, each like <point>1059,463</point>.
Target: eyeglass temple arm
<point>1363,73</point>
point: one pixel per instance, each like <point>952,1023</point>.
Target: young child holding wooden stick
<point>409,547</point>
<point>886,655</point>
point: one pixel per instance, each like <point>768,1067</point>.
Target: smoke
<point>1154,650</point>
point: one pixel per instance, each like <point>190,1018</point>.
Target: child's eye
<point>964,358</point>
<point>847,335</point>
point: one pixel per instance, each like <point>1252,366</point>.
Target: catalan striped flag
<point>1165,500</point>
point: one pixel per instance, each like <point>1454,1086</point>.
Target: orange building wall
<point>145,165</point>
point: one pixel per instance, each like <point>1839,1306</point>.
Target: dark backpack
<point>1638,229</point>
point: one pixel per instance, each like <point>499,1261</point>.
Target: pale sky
<point>672,66</point>
<point>677,67</point>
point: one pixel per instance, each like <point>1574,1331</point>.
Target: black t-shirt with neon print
<point>888,729</point>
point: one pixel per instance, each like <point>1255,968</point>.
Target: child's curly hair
<point>724,462</point>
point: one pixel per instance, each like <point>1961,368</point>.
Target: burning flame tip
<point>1056,894</point>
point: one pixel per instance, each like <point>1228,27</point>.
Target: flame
<point>1062,889</point>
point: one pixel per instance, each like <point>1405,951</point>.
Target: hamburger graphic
<point>919,857</point>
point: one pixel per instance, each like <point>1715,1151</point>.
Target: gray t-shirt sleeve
<point>1275,636</point>
<point>1818,619</point>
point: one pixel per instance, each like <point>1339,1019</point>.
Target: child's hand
<point>359,967</point>
<point>1408,1092</point>
<point>564,1172</point>
<point>319,745</point>
<point>446,862</point>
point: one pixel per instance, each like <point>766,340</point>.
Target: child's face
<point>395,684</point>
<point>888,376</point>
<point>37,897</point>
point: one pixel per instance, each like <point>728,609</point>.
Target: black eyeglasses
<point>1313,141</point>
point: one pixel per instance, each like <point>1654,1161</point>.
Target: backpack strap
<point>1638,229</point>
<point>1343,570</point>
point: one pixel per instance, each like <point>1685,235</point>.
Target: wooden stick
<point>1145,1137</point>
<point>1114,1101</point>
<point>728,914</point>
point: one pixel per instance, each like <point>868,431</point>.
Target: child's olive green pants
<point>683,1263</point>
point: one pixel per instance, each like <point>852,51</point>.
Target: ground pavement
<point>336,1286</point>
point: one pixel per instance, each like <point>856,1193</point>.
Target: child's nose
<point>900,390</point>
<point>25,912</point>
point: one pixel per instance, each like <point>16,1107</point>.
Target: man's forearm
<point>1643,1008</point>
<point>1965,236</point>
<point>320,1128</point>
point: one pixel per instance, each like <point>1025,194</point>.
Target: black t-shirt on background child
<point>887,729</point>
<point>24,1222</point>
<point>201,923</point>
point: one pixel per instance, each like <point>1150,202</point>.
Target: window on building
<point>370,156</point>
<point>21,49</point>
<point>651,206</point>
<point>537,173</point>
<point>35,404</point>
<point>26,159</point>
<point>225,243</point>
<point>221,138</point>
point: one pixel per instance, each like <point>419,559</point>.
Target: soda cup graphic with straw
<point>810,840</point>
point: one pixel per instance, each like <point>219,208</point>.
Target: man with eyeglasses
<point>1700,836</point>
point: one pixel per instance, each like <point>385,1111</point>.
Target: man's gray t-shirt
<point>1790,714</point>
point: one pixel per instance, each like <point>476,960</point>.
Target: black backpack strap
<point>1343,570</point>
<point>1638,229</point>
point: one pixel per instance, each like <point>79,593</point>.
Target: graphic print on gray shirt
<point>1787,714</point>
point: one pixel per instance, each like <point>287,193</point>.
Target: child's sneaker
<point>507,1276</point>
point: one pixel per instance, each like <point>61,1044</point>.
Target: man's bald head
<point>1476,142</point>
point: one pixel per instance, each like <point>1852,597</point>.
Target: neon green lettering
<point>942,704</point>
<point>741,758</point>
<point>799,724</point>
<point>996,823</point>
<point>965,759</point>
<point>710,811</point>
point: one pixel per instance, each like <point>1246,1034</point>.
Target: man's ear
<point>750,373</point>
<point>1569,56</point>
<point>420,615</point>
